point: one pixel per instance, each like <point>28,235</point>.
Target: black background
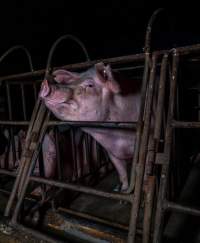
<point>107,28</point>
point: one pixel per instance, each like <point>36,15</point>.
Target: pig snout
<point>45,89</point>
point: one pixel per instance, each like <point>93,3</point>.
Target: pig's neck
<point>122,109</point>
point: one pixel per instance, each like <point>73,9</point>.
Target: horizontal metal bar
<point>182,209</point>
<point>87,190</point>
<point>123,59</point>
<point>128,125</point>
<point>117,60</point>
<point>8,172</point>
<point>15,123</point>
<point>185,124</point>
<point>93,218</point>
<point>35,233</point>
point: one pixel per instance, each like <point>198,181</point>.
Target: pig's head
<point>84,96</point>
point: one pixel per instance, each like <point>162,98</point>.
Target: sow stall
<point>143,67</point>
<point>83,207</point>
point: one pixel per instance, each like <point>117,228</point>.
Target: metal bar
<point>149,29</point>
<point>30,160</point>
<point>7,172</point>
<point>23,101</point>
<point>115,60</point>
<point>161,98</point>
<point>35,91</point>
<point>79,188</point>
<point>185,124</point>
<point>140,123</point>
<point>22,161</point>
<point>149,198</point>
<point>167,150</point>
<point>59,165</point>
<point>140,167</point>
<point>93,218</point>
<point>124,125</point>
<point>15,123</point>
<point>10,118</point>
<point>180,208</point>
<point>74,154</point>
<point>36,234</point>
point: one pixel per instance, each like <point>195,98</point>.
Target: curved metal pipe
<point>56,44</point>
<point>149,29</point>
<point>10,50</point>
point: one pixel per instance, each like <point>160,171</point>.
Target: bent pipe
<point>18,47</point>
<point>54,46</point>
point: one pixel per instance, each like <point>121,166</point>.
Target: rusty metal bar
<point>140,166</point>
<point>23,101</point>
<point>94,218</point>
<point>33,143</point>
<point>161,97</point>
<point>140,123</point>
<point>180,208</point>
<point>167,150</point>
<point>84,189</point>
<point>149,198</point>
<point>114,60</point>
<point>31,157</point>
<point>22,162</point>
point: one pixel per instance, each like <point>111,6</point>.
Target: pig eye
<point>90,85</point>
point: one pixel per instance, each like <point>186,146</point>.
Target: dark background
<point>107,28</point>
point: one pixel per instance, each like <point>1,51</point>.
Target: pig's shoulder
<point>128,83</point>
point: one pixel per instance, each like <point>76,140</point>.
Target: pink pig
<point>95,95</point>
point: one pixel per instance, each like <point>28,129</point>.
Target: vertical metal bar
<point>87,151</point>
<point>23,159</point>
<point>35,91</point>
<point>142,156</point>
<point>140,123</point>
<point>74,153</point>
<point>149,196</point>
<point>23,101</point>
<point>10,116</point>
<point>31,161</point>
<point>161,97</point>
<point>167,150</point>
<point>59,163</point>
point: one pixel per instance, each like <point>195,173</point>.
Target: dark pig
<point>95,95</point>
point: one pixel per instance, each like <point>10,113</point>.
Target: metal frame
<point>163,204</point>
<point>144,147</point>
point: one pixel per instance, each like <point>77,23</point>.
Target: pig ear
<point>64,76</point>
<point>105,75</point>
